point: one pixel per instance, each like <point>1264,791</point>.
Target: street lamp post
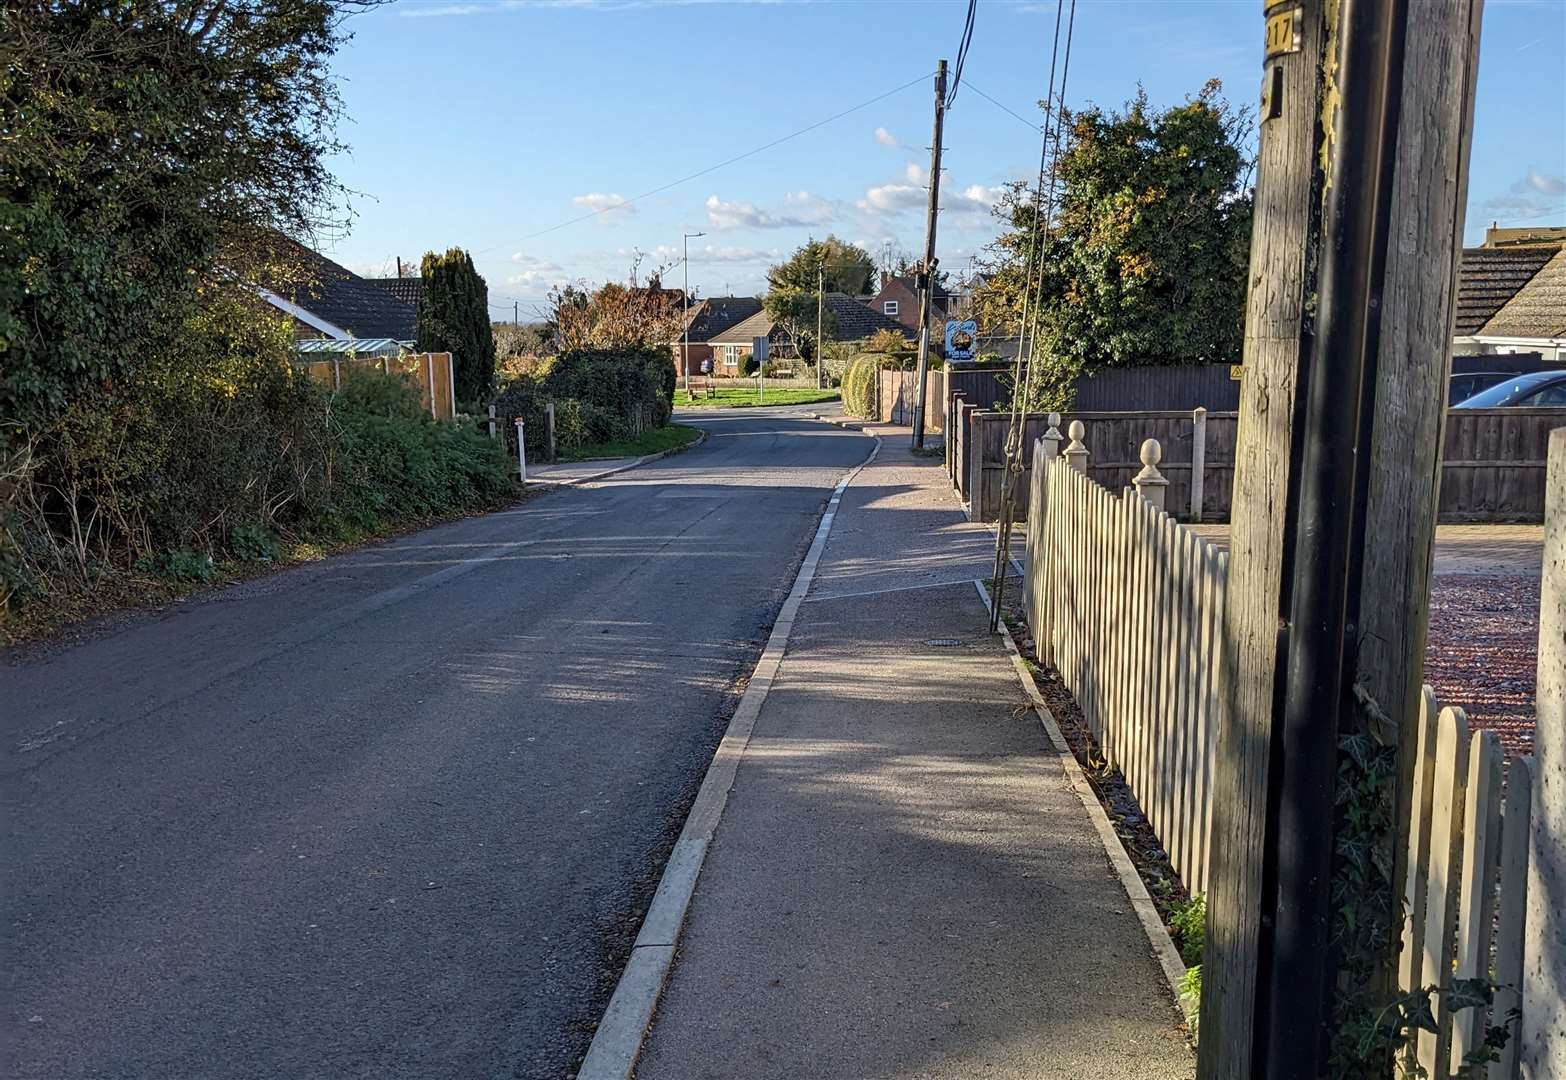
<point>685,348</point>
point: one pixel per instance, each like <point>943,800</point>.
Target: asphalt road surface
<point>397,813</point>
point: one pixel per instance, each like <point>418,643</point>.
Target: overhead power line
<point>1004,107</point>
<point>709,169</point>
<point>962,52</point>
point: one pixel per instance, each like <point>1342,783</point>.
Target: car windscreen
<point>1509,391</point>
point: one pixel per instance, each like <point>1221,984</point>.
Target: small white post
<point>1076,453</point>
<point>492,421</point>
<point>521,450</point>
<point>1151,484</point>
<point>1051,437</point>
<point>1198,461</point>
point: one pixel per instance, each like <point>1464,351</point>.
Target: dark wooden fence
<point>1493,463</point>
<point>1493,468</point>
<point>1214,387</point>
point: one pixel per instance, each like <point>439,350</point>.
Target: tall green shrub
<point>146,144</point>
<point>859,387</point>
<point>454,318</point>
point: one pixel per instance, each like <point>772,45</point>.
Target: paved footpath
<point>903,883</point>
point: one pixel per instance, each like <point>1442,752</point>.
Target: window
<point>730,355</point>
<point>889,307</point>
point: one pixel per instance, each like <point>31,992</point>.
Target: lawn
<point>668,437</point>
<point>743,397</point>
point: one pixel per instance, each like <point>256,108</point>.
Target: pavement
<point>400,812</point>
<point>903,883</point>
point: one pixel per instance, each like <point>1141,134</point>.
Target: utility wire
<point>1003,107</point>
<point>1027,332</point>
<point>709,169</point>
<point>962,52</point>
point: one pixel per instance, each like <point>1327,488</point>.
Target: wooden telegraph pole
<point>1366,110</point>
<point>927,270</point>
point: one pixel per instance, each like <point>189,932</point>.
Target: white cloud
<point>535,272</point>
<point>1534,196</point>
<point>604,202</point>
<point>1544,183</point>
<point>799,210</point>
<point>886,138</point>
<point>893,199</point>
<point>709,253</point>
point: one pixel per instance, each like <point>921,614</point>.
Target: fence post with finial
<point>1051,437</point>
<point>1151,484</point>
<point>1076,454</point>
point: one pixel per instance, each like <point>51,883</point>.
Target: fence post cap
<point>1076,430</point>
<point>1151,454</point>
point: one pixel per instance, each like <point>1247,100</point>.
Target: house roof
<point>1538,309</point>
<point>855,320</point>
<point>716,314</point>
<point>1489,277</point>
<point>745,331</point>
<point>910,282</point>
<point>337,297</point>
<point>852,321</point>
<point>406,289</point>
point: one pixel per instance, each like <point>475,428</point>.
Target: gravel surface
<point>1482,652</point>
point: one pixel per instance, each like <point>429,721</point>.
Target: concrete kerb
<point>618,1041</point>
<point>643,460</point>
<point>1158,938</point>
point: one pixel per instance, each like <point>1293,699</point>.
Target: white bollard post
<point>491,421</point>
<point>1151,484</point>
<point>1076,454</point>
<point>521,450</point>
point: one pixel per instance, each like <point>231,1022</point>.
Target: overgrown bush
<point>221,454</point>
<point>859,388</point>
<point>600,395</point>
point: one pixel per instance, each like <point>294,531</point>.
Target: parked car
<point>1539,388</point>
<point>1466,384</point>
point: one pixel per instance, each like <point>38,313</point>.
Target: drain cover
<point>944,642</point>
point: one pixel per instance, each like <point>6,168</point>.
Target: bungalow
<point>708,319</point>
<point>326,300</point>
<point>851,320</point>
<point>1511,295</point>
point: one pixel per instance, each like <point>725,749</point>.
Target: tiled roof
<point>744,331</point>
<point>856,321</point>
<point>342,298</point>
<point>1489,277</point>
<point>716,314</point>
<point>1538,309</point>
<point>406,289</point>
<point>853,321</point>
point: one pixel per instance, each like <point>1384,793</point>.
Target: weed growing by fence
<point>859,388</point>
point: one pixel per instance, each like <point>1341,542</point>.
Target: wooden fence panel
<point>1128,607</point>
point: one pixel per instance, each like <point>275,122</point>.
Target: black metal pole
<point>1332,442</point>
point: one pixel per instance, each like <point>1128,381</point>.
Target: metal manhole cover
<point>944,642</point>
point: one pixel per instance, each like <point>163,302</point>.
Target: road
<point>396,813</point>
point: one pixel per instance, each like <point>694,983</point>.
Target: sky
<point>501,126</point>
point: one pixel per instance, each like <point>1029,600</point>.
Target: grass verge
<point>735,397</point>
<point>656,441</point>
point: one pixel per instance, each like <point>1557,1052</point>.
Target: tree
<point>793,284</point>
<point>150,148</point>
<point>1146,259</point>
<point>454,318</point>
<point>616,316</point>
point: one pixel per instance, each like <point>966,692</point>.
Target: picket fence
<point>1127,605</point>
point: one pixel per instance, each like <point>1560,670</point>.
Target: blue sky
<point>490,124</point>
